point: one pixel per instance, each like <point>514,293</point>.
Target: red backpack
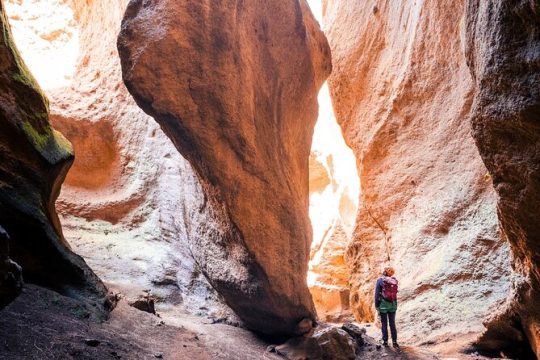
<point>389,288</point>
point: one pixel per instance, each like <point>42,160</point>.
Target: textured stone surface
<point>402,93</point>
<point>219,79</point>
<point>125,201</point>
<point>329,343</point>
<point>336,344</point>
<point>330,285</point>
<point>34,159</point>
<point>503,52</point>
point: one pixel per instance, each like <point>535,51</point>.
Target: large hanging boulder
<point>402,93</point>
<point>234,84</point>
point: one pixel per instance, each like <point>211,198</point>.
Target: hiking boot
<point>396,345</point>
<point>385,343</point>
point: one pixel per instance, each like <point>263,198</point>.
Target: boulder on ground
<point>328,343</point>
<point>144,303</point>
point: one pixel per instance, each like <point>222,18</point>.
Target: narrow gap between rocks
<point>333,204</point>
<point>334,187</point>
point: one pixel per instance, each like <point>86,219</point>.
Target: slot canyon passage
<point>227,179</point>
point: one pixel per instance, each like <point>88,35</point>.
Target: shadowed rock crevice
<point>218,78</point>
<point>503,48</point>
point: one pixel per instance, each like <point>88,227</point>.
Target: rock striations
<point>234,85</point>
<point>402,93</point>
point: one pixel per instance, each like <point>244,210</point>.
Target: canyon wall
<point>503,52</point>
<point>34,159</point>
<point>125,204</point>
<point>234,85</point>
<point>403,93</point>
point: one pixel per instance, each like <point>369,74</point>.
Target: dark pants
<point>385,319</point>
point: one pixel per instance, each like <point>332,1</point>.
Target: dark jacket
<point>381,304</point>
<point>378,292</point>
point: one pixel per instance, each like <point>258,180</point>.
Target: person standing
<point>386,290</point>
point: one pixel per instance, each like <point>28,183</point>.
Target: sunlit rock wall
<point>128,197</point>
<point>402,93</point>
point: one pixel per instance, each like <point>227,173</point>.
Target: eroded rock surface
<point>402,93</point>
<point>503,50</point>
<point>326,343</point>
<point>219,78</point>
<point>34,159</point>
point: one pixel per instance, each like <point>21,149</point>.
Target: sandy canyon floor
<point>58,327</point>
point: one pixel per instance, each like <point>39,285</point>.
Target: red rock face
<point>234,85</point>
<point>402,92</point>
<point>34,159</point>
<point>503,50</point>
